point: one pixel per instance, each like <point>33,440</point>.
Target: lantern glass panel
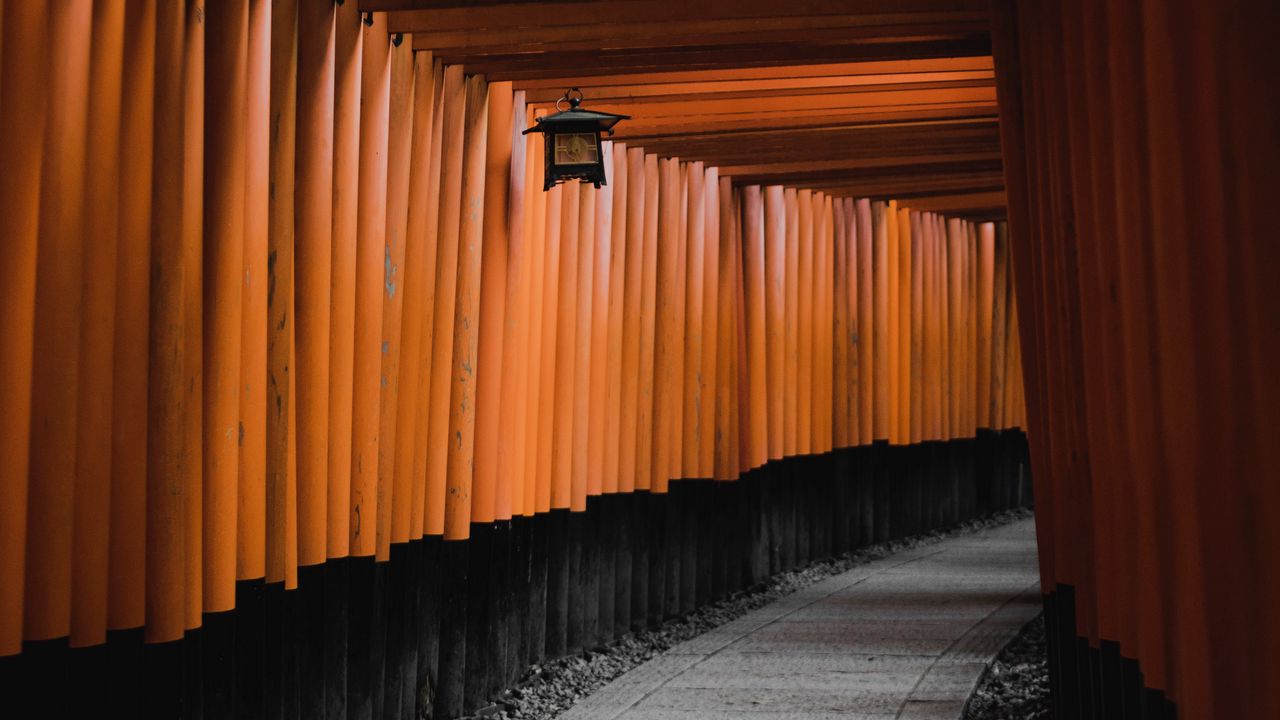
<point>576,149</point>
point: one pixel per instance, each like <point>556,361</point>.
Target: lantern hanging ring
<point>569,98</point>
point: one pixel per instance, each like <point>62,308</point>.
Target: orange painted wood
<point>881,364</point>
<point>251,516</point>
<point>943,262</point>
<point>742,372</point>
<point>986,319</point>
<point>955,325</point>
<point>583,324</point>
<point>633,279</point>
<point>866,330</point>
<point>619,255</point>
<point>1000,294</point>
<point>929,423</point>
<point>534,223</point>
<point>753,241</point>
<point>726,385</point>
<point>126,564</point>
<point>23,84</point>
<point>419,302</point>
<point>430,220</point>
<point>547,404</point>
<point>454,106</point>
<point>775,253</point>
<point>224,225</point>
<point>848,208</point>
<point>597,414</point>
<point>708,386</point>
<point>679,233</point>
<point>814,327</point>
<point>493,304</point>
<point>648,403</point>
<point>812,72</point>
<point>541,330</point>
<point>695,259</point>
<point>667,332</point>
<point>917,422</point>
<point>281,455</point>
<point>312,255</point>
<point>894,301</point>
<point>840,326</point>
<point>91,514</point>
<point>905,311</point>
<point>828,326</point>
<point>394,491</point>
<point>738,408</point>
<point>348,79</point>
<point>512,478</point>
<point>647,31</point>
<point>58,318</point>
<point>462,399</point>
<point>805,331</point>
<point>972,331</point>
<point>791,323</point>
<point>962,392</point>
<point>192,230</point>
<point>508,14</point>
<point>566,354</point>
<point>363,504</point>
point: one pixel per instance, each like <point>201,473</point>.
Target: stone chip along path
<point>904,637</point>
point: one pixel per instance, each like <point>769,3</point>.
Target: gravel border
<point>547,690</point>
<point>1016,685</point>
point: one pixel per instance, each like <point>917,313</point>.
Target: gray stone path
<point>905,637</point>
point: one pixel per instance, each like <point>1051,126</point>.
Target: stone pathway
<point>905,638</point>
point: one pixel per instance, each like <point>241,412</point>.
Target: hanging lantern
<point>572,143</point>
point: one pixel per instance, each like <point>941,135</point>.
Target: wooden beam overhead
<point>795,73</point>
<point>855,97</point>
<point>498,14</point>
<point>528,66</point>
<point>783,29</point>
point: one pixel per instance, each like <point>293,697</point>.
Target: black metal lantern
<point>573,150</point>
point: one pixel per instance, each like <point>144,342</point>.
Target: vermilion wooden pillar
<point>775,253</point>
<point>91,530</point>
<point>126,590</point>
<point>313,236</point>
<point>23,75</point>
<point>347,156</point>
<point>364,509</point>
<point>394,489</point>
<point>169,465</point>
<point>281,462</point>
<point>58,318</point>
<point>805,330</point>
<point>454,102</point>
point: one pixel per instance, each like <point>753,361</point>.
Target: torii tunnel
<point>313,404</point>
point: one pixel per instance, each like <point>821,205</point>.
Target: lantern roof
<point>576,116</point>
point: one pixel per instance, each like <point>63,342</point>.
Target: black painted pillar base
<point>606,566</point>
<point>430,579</point>
<point>639,534</point>
<point>539,605</point>
<point>557,624</point>
<point>625,506</point>
<point>1094,682</point>
<point>450,696</point>
<point>576,586</point>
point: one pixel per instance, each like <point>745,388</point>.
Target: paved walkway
<point>905,637</point>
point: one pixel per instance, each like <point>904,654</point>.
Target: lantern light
<point>573,150</point>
